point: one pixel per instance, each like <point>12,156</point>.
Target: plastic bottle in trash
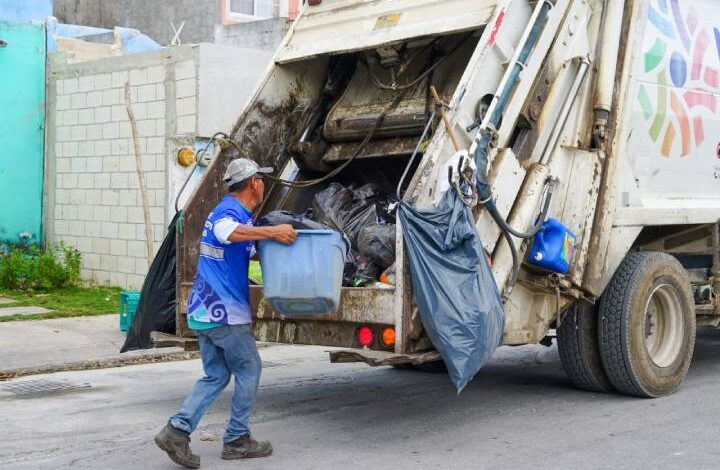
<point>388,276</point>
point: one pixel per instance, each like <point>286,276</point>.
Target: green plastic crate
<point>128,305</point>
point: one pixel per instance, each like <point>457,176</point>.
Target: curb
<point>126,359</point>
<point>106,363</point>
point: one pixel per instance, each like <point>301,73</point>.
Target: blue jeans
<point>225,350</point>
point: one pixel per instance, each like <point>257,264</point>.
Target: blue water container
<point>553,247</point>
<point>304,278</point>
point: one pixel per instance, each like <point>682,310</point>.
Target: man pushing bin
<point>219,313</point>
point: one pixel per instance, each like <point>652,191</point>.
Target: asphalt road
<point>519,413</point>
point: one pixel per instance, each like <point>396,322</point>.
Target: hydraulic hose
<point>516,266</point>
<point>502,223</point>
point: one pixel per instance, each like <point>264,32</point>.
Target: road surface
<point>520,412</point>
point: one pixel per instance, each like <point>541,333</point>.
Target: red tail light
<point>312,3</point>
<point>364,336</point>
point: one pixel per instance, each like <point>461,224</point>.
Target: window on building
<point>242,7</point>
<point>247,10</point>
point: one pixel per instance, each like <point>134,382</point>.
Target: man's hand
<point>285,234</point>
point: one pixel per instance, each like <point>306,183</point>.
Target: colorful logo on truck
<point>682,80</point>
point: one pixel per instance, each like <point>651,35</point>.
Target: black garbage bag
<point>299,222</point>
<point>359,270</point>
<point>377,242</point>
<point>328,203</point>
<point>156,307</point>
<point>351,265</point>
<point>387,207</point>
<point>347,209</point>
<point>453,286</point>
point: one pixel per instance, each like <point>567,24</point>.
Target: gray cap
<point>241,169</point>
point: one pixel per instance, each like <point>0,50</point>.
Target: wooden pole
<point>141,175</point>
<point>446,120</point>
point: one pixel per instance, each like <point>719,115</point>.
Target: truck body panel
<point>635,176</point>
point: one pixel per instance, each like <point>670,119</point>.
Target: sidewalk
<point>43,346</point>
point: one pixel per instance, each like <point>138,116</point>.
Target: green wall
<point>22,131</point>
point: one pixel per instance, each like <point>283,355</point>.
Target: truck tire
<point>647,325</point>
<point>579,348</point>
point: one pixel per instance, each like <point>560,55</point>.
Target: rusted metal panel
<point>258,132</point>
<point>595,277</point>
<point>384,148</point>
<point>314,333</point>
<point>506,176</point>
<point>579,205</point>
<point>352,25</point>
<point>357,305</point>
<point>382,358</point>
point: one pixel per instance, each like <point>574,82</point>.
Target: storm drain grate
<point>30,388</point>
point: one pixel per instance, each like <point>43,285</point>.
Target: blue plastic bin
<point>304,278</point>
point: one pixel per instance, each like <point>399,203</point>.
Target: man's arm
<point>282,233</point>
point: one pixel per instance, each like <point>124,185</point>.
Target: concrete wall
<point>263,35</point>
<point>204,20</point>
<point>93,198</point>
<point>152,17</point>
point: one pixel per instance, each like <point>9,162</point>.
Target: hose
<point>498,218</point>
<point>508,232</point>
<point>376,81</point>
<point>516,267</point>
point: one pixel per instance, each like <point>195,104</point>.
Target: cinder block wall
<point>93,197</point>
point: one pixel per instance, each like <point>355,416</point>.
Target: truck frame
<point>613,101</point>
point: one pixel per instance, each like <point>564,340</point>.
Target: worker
<point>219,313</point>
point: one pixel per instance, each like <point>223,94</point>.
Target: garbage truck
<point>599,114</point>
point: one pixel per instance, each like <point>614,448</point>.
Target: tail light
<point>388,336</point>
<point>313,3</point>
<point>365,336</point>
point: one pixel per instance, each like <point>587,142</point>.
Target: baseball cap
<point>241,169</point>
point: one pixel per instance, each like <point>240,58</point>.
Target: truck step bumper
<point>381,358</point>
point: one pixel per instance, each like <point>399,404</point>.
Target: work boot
<point>177,445</point>
<point>246,447</point>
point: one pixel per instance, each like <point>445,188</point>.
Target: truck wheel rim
<point>664,326</point>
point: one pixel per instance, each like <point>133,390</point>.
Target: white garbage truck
<point>601,114</point>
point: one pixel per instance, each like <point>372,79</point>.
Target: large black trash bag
<point>453,286</point>
<point>328,203</point>
<point>377,242</point>
<point>359,270</point>
<point>347,209</point>
<point>156,308</point>
<point>299,222</point>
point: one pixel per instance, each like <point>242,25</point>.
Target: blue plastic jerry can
<point>553,247</point>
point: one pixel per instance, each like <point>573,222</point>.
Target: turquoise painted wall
<point>22,131</point>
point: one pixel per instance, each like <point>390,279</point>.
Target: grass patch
<point>255,273</point>
<point>64,302</point>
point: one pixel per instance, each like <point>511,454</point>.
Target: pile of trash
<point>367,219</point>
